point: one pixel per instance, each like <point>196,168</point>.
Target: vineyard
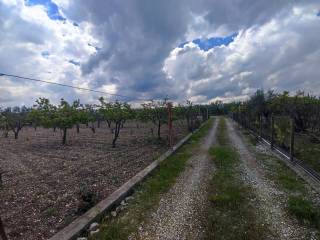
<point>57,161</point>
<point>289,122</point>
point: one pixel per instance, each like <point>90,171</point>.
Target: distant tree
<point>191,116</point>
<point>156,112</point>
<point>117,113</point>
<point>258,104</point>
<point>189,113</point>
<point>179,114</point>
<point>14,119</point>
<point>3,125</point>
<point>64,116</point>
<point>217,108</point>
<point>92,115</point>
<point>204,110</point>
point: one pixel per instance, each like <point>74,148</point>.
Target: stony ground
<point>181,211</point>
<point>270,200</point>
<point>42,179</point>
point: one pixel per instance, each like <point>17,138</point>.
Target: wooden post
<point>272,132</point>
<point>292,140</point>
<point>169,106</point>
<point>2,232</point>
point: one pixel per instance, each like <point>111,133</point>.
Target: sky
<point>198,50</point>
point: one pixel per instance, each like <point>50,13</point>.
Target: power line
<point>71,86</point>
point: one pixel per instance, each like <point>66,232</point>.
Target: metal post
<point>260,132</point>
<point>207,113</point>
<point>292,140</point>
<point>246,122</point>
<point>272,132</point>
<point>169,106</point>
<point>2,232</point>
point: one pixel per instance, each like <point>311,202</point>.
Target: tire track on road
<point>181,211</point>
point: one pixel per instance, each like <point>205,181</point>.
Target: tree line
<point>303,108</point>
<point>300,108</point>
<point>65,116</point>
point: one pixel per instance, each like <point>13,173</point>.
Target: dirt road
<point>180,214</point>
<point>268,195</point>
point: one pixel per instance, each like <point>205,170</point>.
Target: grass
<point>298,202</point>
<point>147,195</point>
<point>304,210</point>
<point>231,214</point>
<point>282,175</point>
<point>307,151</point>
<point>50,212</point>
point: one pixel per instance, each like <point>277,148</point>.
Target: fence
<point>281,133</point>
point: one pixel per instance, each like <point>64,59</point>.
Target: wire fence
<point>281,132</point>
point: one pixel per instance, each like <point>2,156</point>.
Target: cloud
<point>130,48</point>
<point>135,38</point>
<point>281,54</point>
<point>35,45</point>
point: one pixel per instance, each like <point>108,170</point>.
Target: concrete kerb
<point>79,225</point>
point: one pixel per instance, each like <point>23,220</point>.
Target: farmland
<point>44,181</point>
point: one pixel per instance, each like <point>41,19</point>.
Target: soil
<point>42,179</point>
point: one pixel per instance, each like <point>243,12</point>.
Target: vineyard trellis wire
<point>293,154</point>
<point>290,123</point>
<point>278,130</point>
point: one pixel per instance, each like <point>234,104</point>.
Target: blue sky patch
<point>209,43</point>
<point>318,14</point>
<point>52,8</point>
<point>45,54</point>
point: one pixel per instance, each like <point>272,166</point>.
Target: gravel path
<point>269,198</point>
<point>180,214</point>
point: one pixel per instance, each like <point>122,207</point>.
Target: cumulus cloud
<point>132,48</point>
<point>281,54</point>
<point>36,45</point>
